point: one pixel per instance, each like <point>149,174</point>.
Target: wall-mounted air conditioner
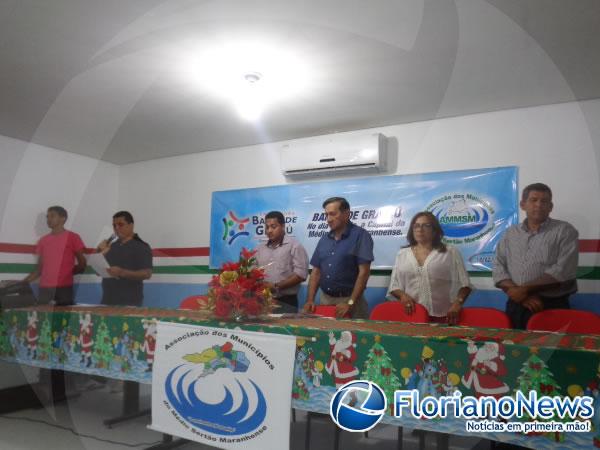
<point>328,154</point>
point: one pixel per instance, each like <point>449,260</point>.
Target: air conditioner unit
<point>328,154</point>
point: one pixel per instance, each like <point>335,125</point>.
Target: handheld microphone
<point>112,238</point>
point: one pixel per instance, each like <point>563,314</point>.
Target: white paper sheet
<point>98,263</point>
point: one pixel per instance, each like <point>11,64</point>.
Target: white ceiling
<point>110,79</point>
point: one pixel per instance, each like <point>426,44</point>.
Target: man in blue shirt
<point>341,263</point>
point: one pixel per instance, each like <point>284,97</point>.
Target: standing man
<point>536,261</point>
<point>341,263</point>
<point>60,256</point>
<point>130,261</point>
<point>285,262</point>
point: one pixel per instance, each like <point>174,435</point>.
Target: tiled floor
<point>78,424</point>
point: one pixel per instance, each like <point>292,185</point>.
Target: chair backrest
<point>484,318</point>
<point>394,311</point>
<point>193,302</point>
<point>566,321</point>
<point>327,311</point>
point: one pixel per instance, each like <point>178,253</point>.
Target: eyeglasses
<point>424,226</point>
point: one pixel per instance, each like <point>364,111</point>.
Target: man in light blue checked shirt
<point>536,261</point>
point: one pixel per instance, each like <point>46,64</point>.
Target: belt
<point>339,293</point>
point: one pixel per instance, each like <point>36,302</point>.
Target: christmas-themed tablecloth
<point>119,342</point>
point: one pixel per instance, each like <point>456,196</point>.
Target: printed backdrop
<point>473,206</point>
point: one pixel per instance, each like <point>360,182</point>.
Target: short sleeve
<point>77,243</point>
<point>396,280</point>
<point>459,272</point>
<point>300,260</point>
<point>565,267</point>
<point>315,260</point>
<point>39,247</point>
<point>500,269</point>
<point>364,250</point>
<point>144,257</point>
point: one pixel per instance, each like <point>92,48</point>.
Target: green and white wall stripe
<point>179,272</point>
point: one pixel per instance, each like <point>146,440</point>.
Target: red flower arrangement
<point>239,290</point>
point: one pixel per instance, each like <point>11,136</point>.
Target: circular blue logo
<point>461,215</point>
<point>232,416</point>
<point>358,406</point>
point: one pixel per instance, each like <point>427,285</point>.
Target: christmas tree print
<point>380,370</point>
<point>300,384</point>
<point>103,349</point>
<point>535,376</point>
<point>59,342</point>
<point>5,346</point>
<point>45,342</point>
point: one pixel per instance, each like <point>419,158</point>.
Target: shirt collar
<point>544,225</point>
<point>345,233</point>
<point>284,241</point>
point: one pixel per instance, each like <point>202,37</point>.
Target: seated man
<point>536,261</point>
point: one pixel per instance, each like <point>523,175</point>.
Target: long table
<point>118,342</point>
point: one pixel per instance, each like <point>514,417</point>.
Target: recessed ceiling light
<point>278,74</point>
<point>253,77</point>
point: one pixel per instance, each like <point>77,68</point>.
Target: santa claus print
<point>32,334</point>
<point>343,356</point>
<point>86,338</point>
<point>486,369</point>
<point>149,344</point>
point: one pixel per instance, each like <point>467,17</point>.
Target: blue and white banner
<point>229,389</point>
<point>474,208</point>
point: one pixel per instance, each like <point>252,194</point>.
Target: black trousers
<point>54,378</point>
<point>289,304</point>
<point>519,315</point>
<point>60,295</point>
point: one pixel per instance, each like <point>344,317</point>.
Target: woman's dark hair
<point>438,233</point>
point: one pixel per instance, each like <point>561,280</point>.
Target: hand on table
<point>454,313</point>
<point>341,309</point>
<point>409,303</point>
<point>309,307</point>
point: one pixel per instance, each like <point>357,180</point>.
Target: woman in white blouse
<point>429,272</point>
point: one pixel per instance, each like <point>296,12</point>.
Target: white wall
<point>170,198</point>
<point>33,177</point>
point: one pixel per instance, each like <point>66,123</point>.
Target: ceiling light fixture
<point>252,75</point>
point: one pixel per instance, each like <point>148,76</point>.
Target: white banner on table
<point>225,388</point>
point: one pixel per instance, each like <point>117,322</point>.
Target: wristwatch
<point>460,300</point>
<point>351,302</point>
